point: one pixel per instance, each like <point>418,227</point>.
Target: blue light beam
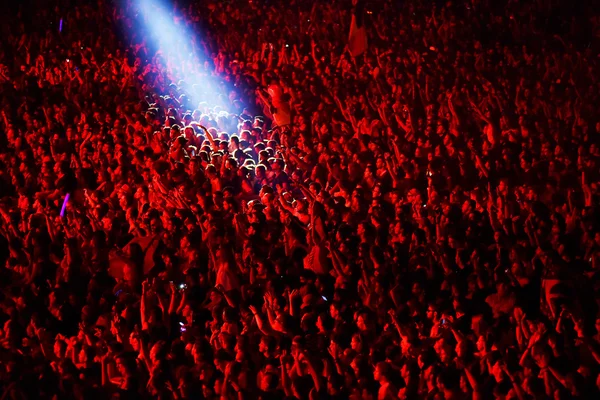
<point>177,47</point>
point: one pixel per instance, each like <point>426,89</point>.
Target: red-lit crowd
<point>419,221</point>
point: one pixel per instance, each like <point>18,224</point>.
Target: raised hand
<point>283,357</point>
<point>334,350</point>
<point>534,339</point>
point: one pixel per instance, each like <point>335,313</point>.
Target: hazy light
<point>181,54</point>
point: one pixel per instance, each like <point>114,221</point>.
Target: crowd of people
<point>419,221</point>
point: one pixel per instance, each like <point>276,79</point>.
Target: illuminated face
<point>355,344</point>
<point>134,341</point>
<point>361,323</point>
<point>333,311</point>
<point>58,349</point>
<point>377,375</point>
<point>376,191</point>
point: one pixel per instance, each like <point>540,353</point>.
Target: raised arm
<point>266,329</point>
<point>143,316</point>
<point>285,379</point>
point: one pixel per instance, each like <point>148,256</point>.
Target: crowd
<point>420,221</point>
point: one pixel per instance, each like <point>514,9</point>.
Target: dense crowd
<point>420,221</point>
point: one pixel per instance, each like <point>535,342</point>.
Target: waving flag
<point>357,41</point>
<point>148,244</point>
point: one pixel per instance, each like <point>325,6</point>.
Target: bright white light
<point>181,54</point>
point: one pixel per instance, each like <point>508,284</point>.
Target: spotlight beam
<point>183,61</point>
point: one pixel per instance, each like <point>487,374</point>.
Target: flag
<point>357,41</point>
<point>281,106</point>
<point>148,244</point>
